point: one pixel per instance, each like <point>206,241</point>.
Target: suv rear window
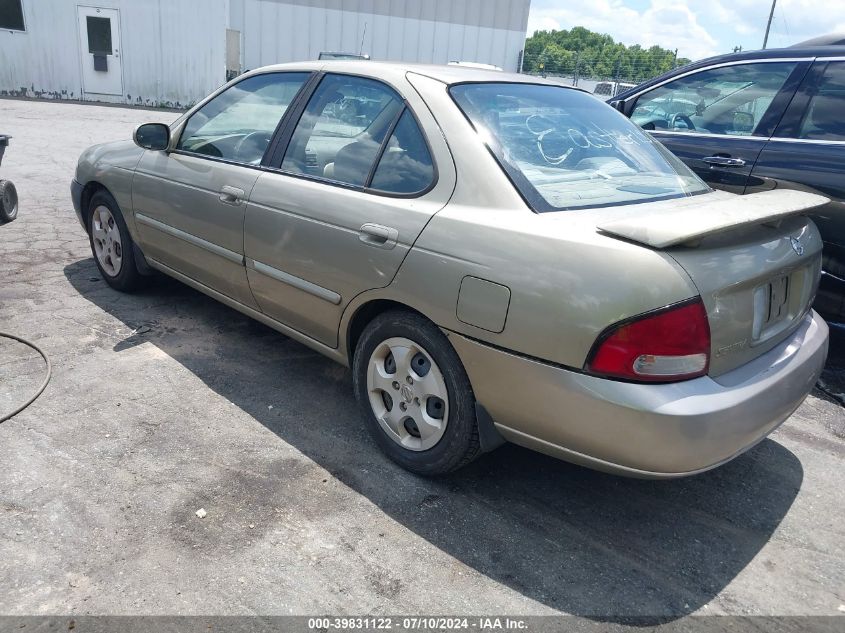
<point>564,149</point>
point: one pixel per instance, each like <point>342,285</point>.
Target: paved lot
<point>165,402</point>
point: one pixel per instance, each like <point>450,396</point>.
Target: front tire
<point>8,201</point>
<point>111,243</point>
<point>415,395</point>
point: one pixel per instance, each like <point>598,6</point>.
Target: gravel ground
<point>165,402</point>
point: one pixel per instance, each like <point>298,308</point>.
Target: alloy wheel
<point>408,394</point>
<point>107,244</point>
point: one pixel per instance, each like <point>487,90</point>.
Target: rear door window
<point>729,100</point>
<point>824,118</point>
<point>342,130</point>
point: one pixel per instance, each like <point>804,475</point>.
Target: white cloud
<point>668,23</point>
<point>697,28</point>
<point>793,21</point>
<point>728,16</point>
<point>542,23</point>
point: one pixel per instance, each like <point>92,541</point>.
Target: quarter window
<point>239,123</point>
<point>823,119</point>
<point>727,100</point>
<point>11,15</point>
<point>342,129</point>
<point>406,166</point>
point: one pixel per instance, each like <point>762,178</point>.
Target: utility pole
<point>769,24</point>
<point>577,67</point>
<point>364,34</point>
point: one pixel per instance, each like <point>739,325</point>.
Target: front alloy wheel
<point>105,236</point>
<point>111,243</point>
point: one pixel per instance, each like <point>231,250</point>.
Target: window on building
<point>11,15</point>
<point>239,123</point>
<point>99,35</point>
<point>823,120</point>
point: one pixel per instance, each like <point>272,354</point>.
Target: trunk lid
<point>755,261</point>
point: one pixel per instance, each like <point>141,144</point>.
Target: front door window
<point>727,100</point>
<point>238,124</point>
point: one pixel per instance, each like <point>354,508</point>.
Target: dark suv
<point>760,120</point>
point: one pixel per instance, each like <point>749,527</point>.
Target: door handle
<point>378,236</point>
<point>231,195</point>
<point>724,161</point>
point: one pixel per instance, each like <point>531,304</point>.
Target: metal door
<point>99,37</point>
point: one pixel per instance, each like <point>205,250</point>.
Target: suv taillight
<point>663,346</point>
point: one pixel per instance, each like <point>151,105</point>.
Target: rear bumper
<point>76,197</point>
<point>668,430</point>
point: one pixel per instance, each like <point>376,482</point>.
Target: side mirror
<point>154,136</point>
<point>618,105</point>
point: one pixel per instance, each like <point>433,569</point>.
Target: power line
<point>783,17</point>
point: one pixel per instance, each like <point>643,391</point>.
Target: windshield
<point>565,149</point>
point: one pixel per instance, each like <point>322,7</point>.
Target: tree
<point>596,55</point>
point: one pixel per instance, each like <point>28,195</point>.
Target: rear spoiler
<point>687,224</point>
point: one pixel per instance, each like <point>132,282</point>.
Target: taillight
<point>667,345</point>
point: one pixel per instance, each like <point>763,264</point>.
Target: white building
<point>174,52</point>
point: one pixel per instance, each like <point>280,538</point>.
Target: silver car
<point>496,257</point>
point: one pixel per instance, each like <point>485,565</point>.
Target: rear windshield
<point>565,149</point>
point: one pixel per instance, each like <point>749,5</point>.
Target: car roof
<point>449,75</point>
<point>831,39</point>
<point>799,52</point>
<point>776,53</point>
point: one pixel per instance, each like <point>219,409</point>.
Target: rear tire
<point>8,201</point>
<point>427,424</point>
<point>111,243</point>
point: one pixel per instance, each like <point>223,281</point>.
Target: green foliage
<point>596,55</point>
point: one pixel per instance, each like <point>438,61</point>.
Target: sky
<point>697,28</point>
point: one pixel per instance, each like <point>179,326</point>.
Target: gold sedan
<point>496,258</point>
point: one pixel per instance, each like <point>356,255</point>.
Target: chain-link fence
<point>604,75</point>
